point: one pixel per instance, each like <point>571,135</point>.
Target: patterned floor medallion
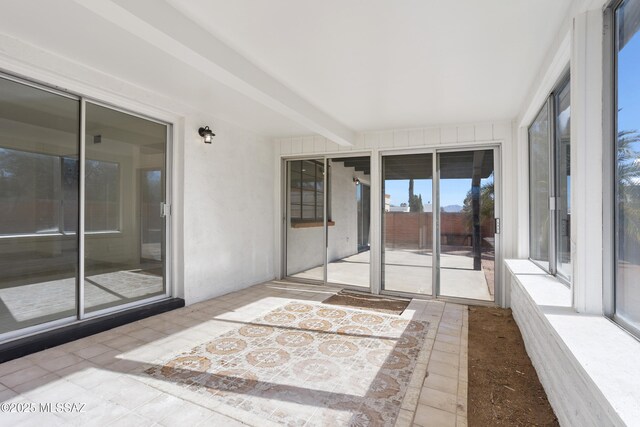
<point>253,331</point>
<point>304,364</point>
<point>294,339</point>
<point>227,346</point>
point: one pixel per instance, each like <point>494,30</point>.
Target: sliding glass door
<point>407,223</point>
<point>466,224</point>
<point>81,227</point>
<point>124,193</point>
<point>439,229</point>
<point>327,220</point>
<point>348,240</point>
<point>305,219</point>
<point>39,148</point>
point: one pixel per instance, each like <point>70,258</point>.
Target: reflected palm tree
<point>628,183</point>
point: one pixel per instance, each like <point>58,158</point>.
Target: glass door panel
<point>466,255</point>
<point>407,233</point>
<point>348,253</point>
<point>305,219</point>
<point>563,180</point>
<point>124,191</point>
<point>539,175</point>
<point>39,181</point>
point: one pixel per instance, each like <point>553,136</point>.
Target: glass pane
<point>125,186</point>
<point>628,163</point>
<point>467,224</point>
<point>407,233</point>
<point>102,204</point>
<point>305,252</point>
<point>38,206</point>
<point>563,180</point>
<point>348,235</point>
<point>539,219</point>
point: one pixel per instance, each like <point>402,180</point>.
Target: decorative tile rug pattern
<point>303,364</point>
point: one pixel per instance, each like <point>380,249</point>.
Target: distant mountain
<point>452,208</point>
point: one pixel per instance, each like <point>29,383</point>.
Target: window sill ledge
<point>601,353</point>
<point>312,224</point>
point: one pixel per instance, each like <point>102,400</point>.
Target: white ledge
<point>606,355</point>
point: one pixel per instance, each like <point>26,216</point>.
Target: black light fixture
<point>207,134</point>
<point>356,180</point>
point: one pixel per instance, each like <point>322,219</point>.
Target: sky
<point>452,191</point>
<point>628,86</point>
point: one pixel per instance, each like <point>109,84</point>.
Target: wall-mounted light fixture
<point>207,134</point>
<point>356,180</point>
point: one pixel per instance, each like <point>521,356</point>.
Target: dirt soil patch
<point>377,303</point>
<point>504,389</point>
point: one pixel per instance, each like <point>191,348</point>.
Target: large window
<point>627,164</point>
<point>549,184</point>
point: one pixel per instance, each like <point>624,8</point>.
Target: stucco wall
<point>228,211</point>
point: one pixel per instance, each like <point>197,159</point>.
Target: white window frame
<point>551,104</point>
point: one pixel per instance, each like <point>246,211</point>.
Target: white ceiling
<point>373,64</point>
<point>380,64</point>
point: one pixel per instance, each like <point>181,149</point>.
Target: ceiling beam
<point>164,27</point>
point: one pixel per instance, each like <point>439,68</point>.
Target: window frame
<point>551,103</point>
<point>319,196</point>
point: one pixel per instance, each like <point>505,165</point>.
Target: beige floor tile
<point>132,419</point>
<point>438,399</point>
<point>57,363</point>
<point>189,415</point>
<point>411,398</point>
<point>446,347</point>
<point>161,407</point>
<point>26,388</point>
<point>106,358</point>
<point>22,376</point>
<point>50,353</point>
<point>7,394</point>
<point>443,369</point>
<point>14,365</point>
<point>427,416</point>
<point>220,420</point>
<point>450,339</point>
<point>448,358</point>
<point>441,383</point>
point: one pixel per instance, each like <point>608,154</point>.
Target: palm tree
<point>487,204</point>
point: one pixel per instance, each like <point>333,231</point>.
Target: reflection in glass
<point>627,291</point>
<point>38,206</point>
<point>125,173</point>
<point>305,241</point>
<point>407,233</point>
<point>563,179</point>
<point>467,224</point>
<point>348,252</point>
<point>539,159</point>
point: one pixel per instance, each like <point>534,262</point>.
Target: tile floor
<point>117,376</point>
